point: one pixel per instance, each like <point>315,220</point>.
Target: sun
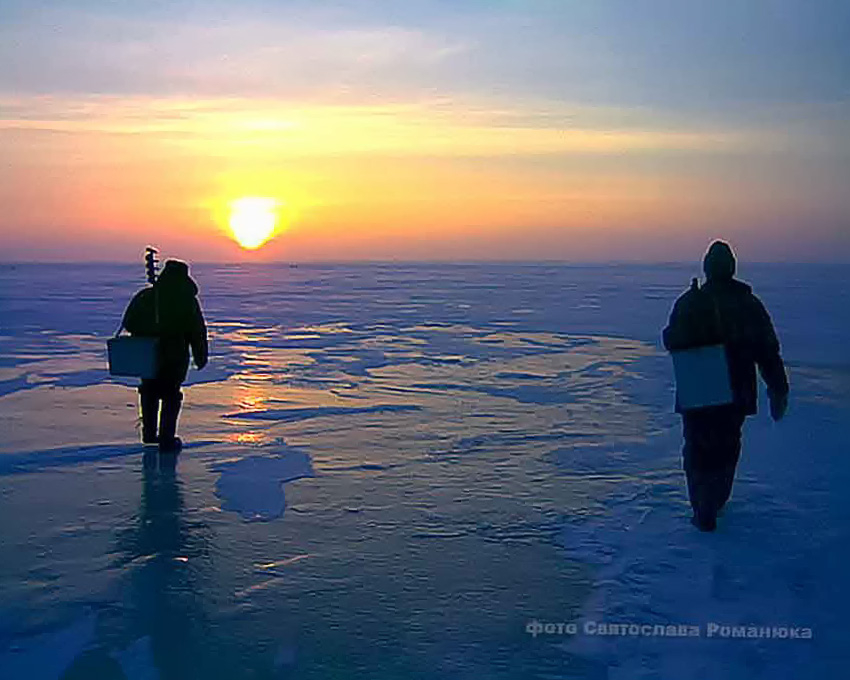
<point>253,220</point>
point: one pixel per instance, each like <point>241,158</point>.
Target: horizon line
<point>443,262</point>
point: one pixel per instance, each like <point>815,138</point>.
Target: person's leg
<point>698,493</point>
<point>711,452</point>
<point>696,454</point>
<point>730,450</point>
<point>149,401</point>
<point>171,401</point>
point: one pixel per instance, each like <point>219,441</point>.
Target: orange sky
<point>379,165</point>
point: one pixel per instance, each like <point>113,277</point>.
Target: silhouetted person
<point>168,310</point>
<point>723,311</point>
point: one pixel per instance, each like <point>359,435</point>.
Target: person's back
<point>724,311</point>
<point>168,310</point>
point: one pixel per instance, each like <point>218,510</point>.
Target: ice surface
<point>33,461</point>
<point>476,447</point>
<point>45,656</point>
<point>137,661</point>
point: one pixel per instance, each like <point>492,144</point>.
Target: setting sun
<point>253,221</point>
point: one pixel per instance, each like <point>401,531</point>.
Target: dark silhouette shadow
<point>172,598</point>
<point>166,590</point>
<point>167,558</point>
<point>161,557</point>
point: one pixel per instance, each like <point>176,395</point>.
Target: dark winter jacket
<point>725,311</point>
<point>180,320</point>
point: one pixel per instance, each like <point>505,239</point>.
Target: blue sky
<point>686,55</point>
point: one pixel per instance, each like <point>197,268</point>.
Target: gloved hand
<point>778,404</point>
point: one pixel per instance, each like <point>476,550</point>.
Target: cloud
<point>431,128</point>
<point>233,54</point>
<point>708,61</point>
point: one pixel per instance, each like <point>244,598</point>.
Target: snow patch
<point>253,486</point>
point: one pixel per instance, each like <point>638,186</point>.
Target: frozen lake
<point>401,471</point>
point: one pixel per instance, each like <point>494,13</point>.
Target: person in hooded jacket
<point>168,310</point>
<point>723,311</point>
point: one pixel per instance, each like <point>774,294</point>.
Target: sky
<point>578,130</point>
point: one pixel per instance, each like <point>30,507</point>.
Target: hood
<point>175,275</point>
<point>719,262</point>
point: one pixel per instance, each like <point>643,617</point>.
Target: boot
<point>168,442</point>
<point>704,522</point>
<point>150,413</point>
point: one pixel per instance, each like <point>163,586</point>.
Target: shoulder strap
<point>718,319</point>
<point>156,306</point>
<point>719,326</point>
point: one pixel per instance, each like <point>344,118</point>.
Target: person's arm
<point>769,361</point>
<point>132,315</point>
<point>679,333</point>
<point>671,336</point>
<point>198,337</point>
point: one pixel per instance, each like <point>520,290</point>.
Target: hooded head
<point>719,262</point>
<point>175,274</point>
